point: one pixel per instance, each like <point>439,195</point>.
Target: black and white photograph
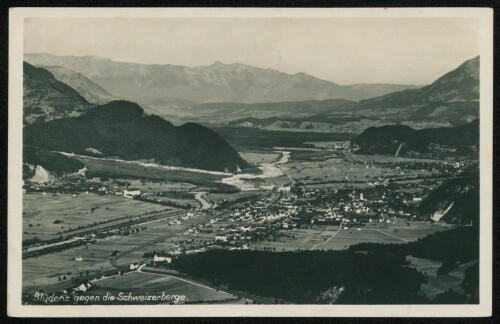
<point>250,162</point>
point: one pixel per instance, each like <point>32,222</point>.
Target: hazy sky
<point>342,50</point>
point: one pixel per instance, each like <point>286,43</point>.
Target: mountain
<point>452,99</point>
<point>218,82</point>
<point>373,90</point>
<point>455,201</point>
<point>122,129</point>
<point>91,91</point>
<point>46,98</point>
<point>432,142</point>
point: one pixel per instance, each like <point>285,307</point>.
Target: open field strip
<point>185,280</point>
<point>331,237</point>
<point>63,214</point>
<point>150,165</point>
<point>139,283</point>
<point>390,235</point>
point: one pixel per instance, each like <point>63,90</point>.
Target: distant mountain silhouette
<point>405,141</point>
<point>91,91</point>
<point>122,129</point>
<point>452,98</point>
<point>46,98</point>
<point>218,82</point>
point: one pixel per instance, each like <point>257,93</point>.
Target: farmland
<point>52,214</point>
<point>121,169</point>
<point>244,138</point>
<point>437,283</point>
<point>302,198</point>
<point>94,256</point>
<point>331,238</point>
<point>145,283</point>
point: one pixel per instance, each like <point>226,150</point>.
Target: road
<point>200,197</point>
<point>340,227</point>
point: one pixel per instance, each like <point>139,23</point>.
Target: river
<point>269,170</point>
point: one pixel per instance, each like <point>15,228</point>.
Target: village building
<point>221,237</point>
<point>158,258</point>
<point>131,193</point>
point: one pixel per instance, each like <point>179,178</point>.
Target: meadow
<point>53,214</point>
<point>119,169</point>
<point>320,237</point>
<point>142,283</point>
<point>44,270</point>
<point>254,138</point>
<point>437,284</point>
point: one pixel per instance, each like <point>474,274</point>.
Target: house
<point>79,259</point>
<point>131,193</point>
<point>134,266</point>
<point>157,258</point>
<point>221,237</point>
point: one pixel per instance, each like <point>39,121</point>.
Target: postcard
<point>232,162</point>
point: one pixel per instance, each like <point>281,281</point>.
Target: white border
<point>14,307</point>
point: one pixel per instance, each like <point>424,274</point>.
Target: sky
<point>343,50</point>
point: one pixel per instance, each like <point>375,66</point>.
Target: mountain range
<point>122,129</point>
<point>451,100</point>
<point>218,82</point>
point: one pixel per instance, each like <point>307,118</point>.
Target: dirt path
<point>331,237</point>
<point>390,235</point>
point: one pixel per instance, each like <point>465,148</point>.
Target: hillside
<point>218,82</point>
<point>452,99</point>
<point>91,91</point>
<point>46,98</point>
<point>433,142</point>
<point>41,165</point>
<point>122,129</point>
<point>456,201</point>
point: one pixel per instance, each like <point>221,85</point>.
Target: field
<point>437,284</point>
<point>117,169</point>
<point>331,238</point>
<point>149,186</point>
<point>52,214</point>
<point>217,198</point>
<point>245,137</point>
<point>141,283</point>
<point>45,269</point>
<point>321,170</point>
<point>256,157</point>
